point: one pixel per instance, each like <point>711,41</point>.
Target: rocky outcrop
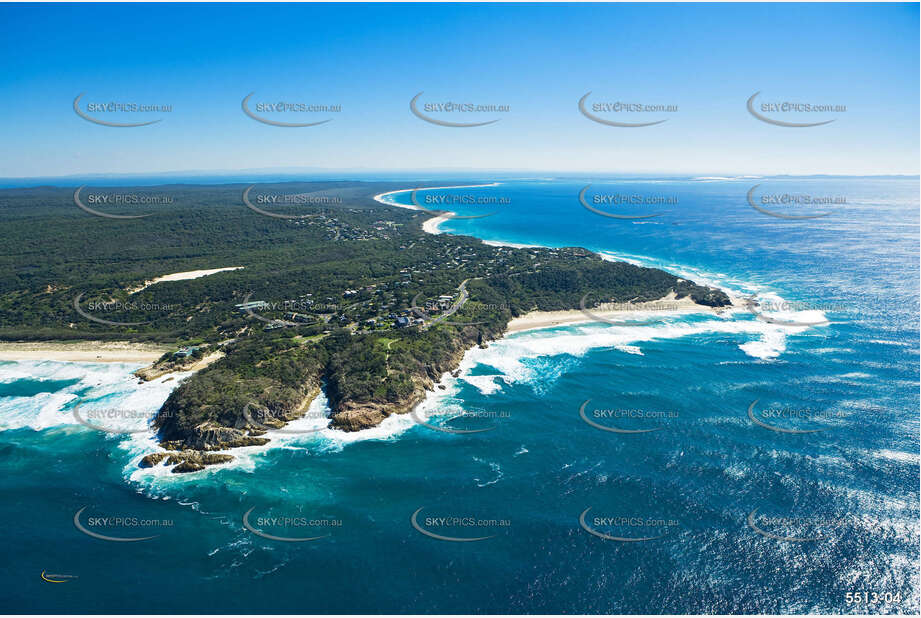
<point>154,459</point>
<point>702,295</point>
<point>187,466</point>
<point>710,297</point>
<point>173,365</point>
<point>262,381</point>
<point>185,461</point>
<point>197,458</point>
<point>195,452</point>
<point>351,416</point>
<point>212,437</point>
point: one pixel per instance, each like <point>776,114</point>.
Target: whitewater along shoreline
<point>82,351</point>
<point>191,440</point>
<point>535,320</point>
<point>380,197</point>
<point>209,443</point>
<point>191,437</point>
<point>195,443</point>
<point>430,226</point>
<point>629,312</point>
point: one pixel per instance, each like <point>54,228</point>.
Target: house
<point>185,352</point>
<point>402,322</point>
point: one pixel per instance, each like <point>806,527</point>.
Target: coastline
<point>535,320</point>
<point>430,226</point>
<point>380,196</point>
<point>90,352</point>
<point>82,351</point>
<point>513,245</point>
<point>193,457</point>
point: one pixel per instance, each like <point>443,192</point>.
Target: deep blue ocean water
<point>711,512</point>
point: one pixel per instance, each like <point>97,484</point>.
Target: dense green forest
<point>351,294</point>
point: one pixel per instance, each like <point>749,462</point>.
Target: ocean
<point>751,462</point>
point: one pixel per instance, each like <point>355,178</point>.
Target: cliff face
<point>218,410</point>
<point>349,414</point>
<point>259,385</point>
<point>354,416</point>
<point>267,380</point>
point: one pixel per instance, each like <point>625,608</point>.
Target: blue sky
<point>538,59</point>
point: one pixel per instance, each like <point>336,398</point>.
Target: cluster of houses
<point>294,316</point>
<point>334,229</point>
<point>326,312</point>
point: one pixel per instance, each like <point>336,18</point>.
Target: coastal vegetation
<point>352,297</point>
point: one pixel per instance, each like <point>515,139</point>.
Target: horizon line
<point>482,171</point>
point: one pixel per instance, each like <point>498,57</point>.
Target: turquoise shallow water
<point>835,511</point>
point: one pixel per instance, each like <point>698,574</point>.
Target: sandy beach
<point>667,305</point>
<point>513,245</point>
<point>82,351</point>
<point>548,319</point>
<point>191,274</point>
<point>431,225</point>
<point>380,196</point>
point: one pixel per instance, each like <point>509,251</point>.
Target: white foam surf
<point>310,433</point>
<point>95,386</point>
<point>389,197</point>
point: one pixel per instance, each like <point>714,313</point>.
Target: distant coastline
<point>190,432</point>
<point>281,175</point>
<point>431,225</point>
<point>536,320</point>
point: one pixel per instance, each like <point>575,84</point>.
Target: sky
<point>536,59</point>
